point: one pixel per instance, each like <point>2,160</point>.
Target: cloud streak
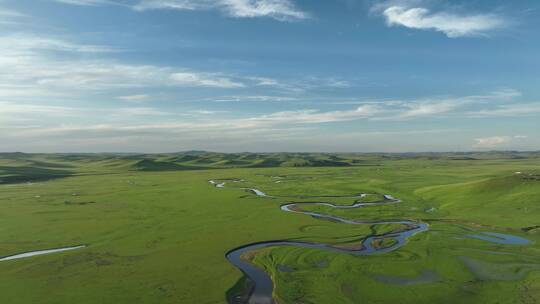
<point>25,44</point>
<point>127,126</point>
<point>314,116</point>
<point>85,2</point>
<point>282,10</point>
<point>495,142</point>
<point>204,80</point>
<point>508,110</point>
<point>28,61</point>
<point>394,110</point>
<point>491,142</point>
<point>9,17</point>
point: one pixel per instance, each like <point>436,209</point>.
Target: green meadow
<point>157,231</point>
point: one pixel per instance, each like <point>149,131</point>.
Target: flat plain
<point>157,231</point>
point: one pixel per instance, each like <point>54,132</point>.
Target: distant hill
<point>21,167</point>
<point>153,165</point>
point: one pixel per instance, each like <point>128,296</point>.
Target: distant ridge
<point>17,167</point>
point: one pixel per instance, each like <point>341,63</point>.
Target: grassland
<point>157,231</point>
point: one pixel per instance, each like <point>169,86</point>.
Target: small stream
<point>39,252</point>
<point>262,292</point>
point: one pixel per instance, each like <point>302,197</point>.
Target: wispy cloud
<point>494,142</point>
<point>283,10</point>
<point>424,109</point>
<point>207,112</point>
<point>135,98</point>
<point>492,103</point>
<point>4,12</point>
<point>123,123</point>
<point>24,44</point>
<point>9,16</point>
<point>15,108</point>
<point>27,60</point>
<point>85,2</point>
<point>204,80</point>
<point>139,111</point>
<point>277,9</point>
<point>44,66</point>
<point>127,125</point>
<point>303,84</point>
<point>508,110</point>
<point>104,75</point>
<point>312,116</point>
<point>253,98</point>
<point>31,115</point>
<point>452,24</point>
<point>491,142</point>
<point>17,91</point>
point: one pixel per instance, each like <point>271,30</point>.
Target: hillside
<point>22,167</point>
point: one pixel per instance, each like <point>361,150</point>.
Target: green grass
<point>160,236</point>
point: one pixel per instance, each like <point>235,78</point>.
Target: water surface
<point>262,292</point>
<point>39,252</point>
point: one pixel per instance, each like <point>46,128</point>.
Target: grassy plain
<point>158,233</point>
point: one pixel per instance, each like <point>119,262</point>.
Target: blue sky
<point>269,75</point>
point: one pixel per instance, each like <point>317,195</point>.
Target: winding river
<point>262,292</point>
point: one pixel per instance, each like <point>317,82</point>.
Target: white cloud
<point>302,84</point>
<point>253,98</point>
<point>14,91</point>
<point>122,119</point>
<point>423,109</point>
<point>320,82</point>
<point>145,137</point>
<point>17,108</point>
<point>139,111</point>
<point>32,66</point>
<point>491,142</point>
<point>8,16</point>
<point>451,24</point>
<point>278,9</point>
<point>496,103</point>
<point>37,118</point>
<point>134,98</point>
<point>283,10</point>
<point>25,60</point>
<point>393,110</point>
<point>445,106</point>
<point>207,112</point>
<point>504,94</point>
<point>24,44</point>
<point>126,126</point>
<point>497,141</point>
<point>173,4</point>
<point>337,83</point>
<point>311,116</point>
<point>204,80</point>
<point>508,110</point>
<point>84,2</point>
<point>264,81</point>
<point>4,12</point>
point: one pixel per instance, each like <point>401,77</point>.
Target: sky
<point>269,75</point>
